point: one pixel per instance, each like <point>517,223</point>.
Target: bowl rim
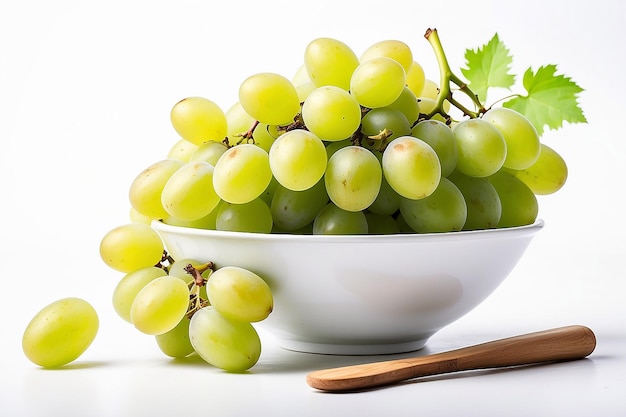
<point>532,228</point>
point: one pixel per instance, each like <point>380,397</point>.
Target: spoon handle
<point>560,344</point>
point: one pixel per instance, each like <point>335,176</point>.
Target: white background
<point>85,93</point>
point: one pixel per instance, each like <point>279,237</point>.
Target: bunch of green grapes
<point>349,145</point>
<point>348,142</point>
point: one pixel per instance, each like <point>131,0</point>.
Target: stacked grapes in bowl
<point>356,208</point>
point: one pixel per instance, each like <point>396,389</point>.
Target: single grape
<point>131,246</point>
<point>430,90</point>
<point>189,193</point>
<point>483,202</point>
<point>239,122</point>
<point>387,201</point>
<point>547,175</point>
<point>383,118</point>
<point>160,305</point>
<point>60,332</point>
<point>481,148</point>
<point>411,167</point>
<point>145,191</point>
<point>242,173</point>
<point>415,79</point>
<point>198,120</point>
<point>264,136</point>
<point>427,105</point>
<point>519,204</point>
<point>293,210</point>
<point>409,106</point>
<point>182,150</point>
<point>253,217</point>
<point>298,159</point>
<point>377,82</point>
<point>353,177</point>
<point>332,220</point>
<point>239,294</point>
<point>176,343</point>
<point>136,217</point>
<point>304,89</point>
<point>208,152</point>
<point>230,345</point>
<point>378,224</point>
<point>391,48</point>
<point>330,62</point>
<point>522,141</point>
<point>129,286</point>
<point>444,210</point>
<point>269,98</point>
<point>331,113</point>
<point>301,76</point>
<point>440,137</point>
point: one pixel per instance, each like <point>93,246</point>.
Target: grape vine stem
<point>446,77</point>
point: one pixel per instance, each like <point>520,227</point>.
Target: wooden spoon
<point>560,344</point>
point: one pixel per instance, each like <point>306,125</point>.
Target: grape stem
<point>446,77</point>
<point>197,271</point>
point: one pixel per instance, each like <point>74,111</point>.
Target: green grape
<point>301,76</point>
<point>239,294</point>
<point>145,191</point>
<point>522,141</point>
<point>160,305</point>
<point>233,346</point>
<point>353,177</point>
<point>198,120</point>
<point>189,193</point>
<point>177,269</point>
<point>332,147</point>
<point>444,210</point>
<point>207,222</point>
<point>387,201</point>
<point>331,113</point>
<point>298,159</point>
<point>483,202</point>
<point>377,120</point>
<point>415,79</point>
<point>129,286</point>
<point>377,82</point>
<point>519,204</point>
<point>131,246</point>
<point>304,89</point>
<point>330,62</point>
<point>411,167</point>
<point>136,217</point>
<point>547,175</point>
<point>430,90</point>
<point>332,220</point>
<point>293,210</point>
<point>378,224</point>
<point>269,98</point>
<point>239,122</point>
<point>60,332</point>
<point>208,152</point>
<point>409,106</point>
<point>253,217</point>
<point>268,193</point>
<point>242,173</point>
<point>427,105</point>
<point>394,49</point>
<point>182,150</point>
<point>265,135</point>
<point>175,343</point>
<point>440,137</point>
<point>481,148</point>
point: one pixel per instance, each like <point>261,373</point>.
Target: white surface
<point>85,92</point>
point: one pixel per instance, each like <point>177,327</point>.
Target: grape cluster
<point>349,145</point>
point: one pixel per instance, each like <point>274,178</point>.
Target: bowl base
<point>352,349</point>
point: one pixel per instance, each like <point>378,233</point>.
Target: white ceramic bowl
<point>362,295</point>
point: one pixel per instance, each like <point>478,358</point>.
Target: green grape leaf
<point>551,100</point>
<point>488,66</point>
